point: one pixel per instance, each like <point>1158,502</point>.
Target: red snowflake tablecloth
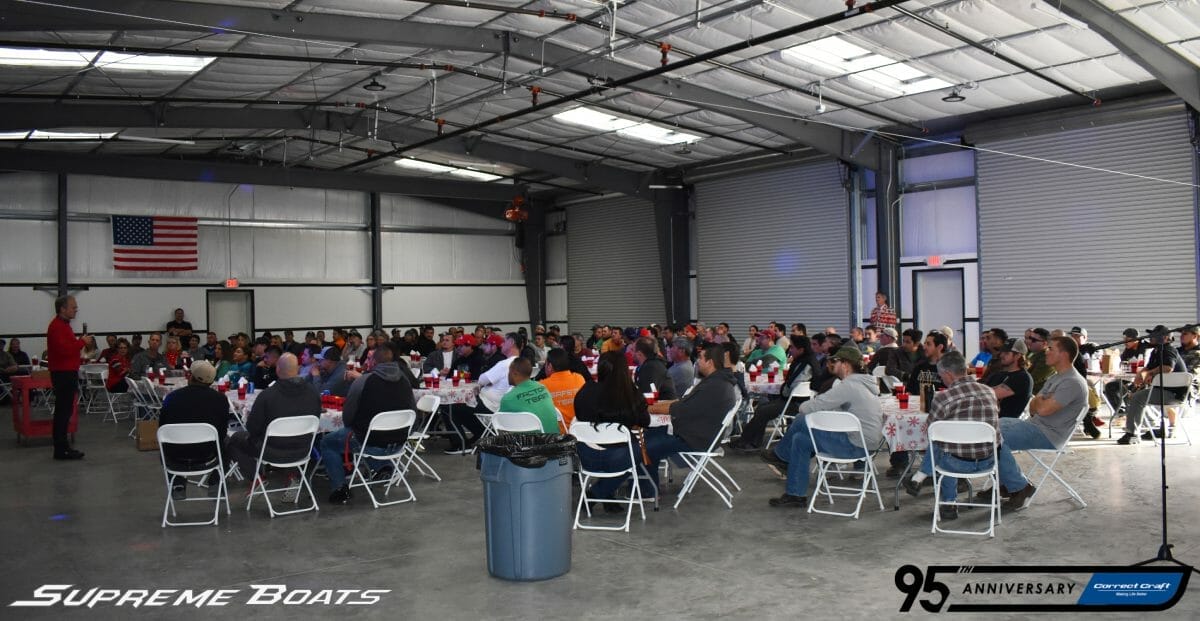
<point>905,430</point>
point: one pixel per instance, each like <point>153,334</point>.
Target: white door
<point>938,301</point>
<point>231,312</point>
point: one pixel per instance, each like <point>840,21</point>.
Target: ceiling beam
<point>223,172</point>
<point>1173,70</point>
<point>41,115</point>
<point>166,15</point>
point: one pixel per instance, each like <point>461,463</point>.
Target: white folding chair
<point>516,422</point>
<point>384,422</point>
<point>1152,413</point>
<point>287,427</point>
<point>95,394</point>
<point>416,439</point>
<point>1039,456</point>
<point>700,461</point>
<point>779,428</point>
<point>847,423</point>
<point>608,433</point>
<point>190,434</point>
<point>145,407</point>
<point>965,432</point>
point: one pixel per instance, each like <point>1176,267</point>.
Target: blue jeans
<point>949,489</point>
<point>659,446</point>
<point>611,459</point>
<point>333,447</point>
<point>1017,435</point>
<point>797,450</point>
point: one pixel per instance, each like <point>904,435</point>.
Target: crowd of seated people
<point>695,372</point>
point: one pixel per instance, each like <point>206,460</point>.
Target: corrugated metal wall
<point>774,246</point>
<point>612,264</point>
<point>1062,246</point>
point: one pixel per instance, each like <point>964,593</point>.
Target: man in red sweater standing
<point>62,353</point>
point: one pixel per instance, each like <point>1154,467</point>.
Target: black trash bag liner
<point>529,450</point>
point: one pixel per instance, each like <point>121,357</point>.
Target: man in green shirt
<point>1035,342</point>
<point>529,396</point>
<point>767,351</point>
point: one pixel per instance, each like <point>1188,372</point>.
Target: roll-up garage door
<point>774,246</point>
<point>1064,246</point>
<point>612,264</point>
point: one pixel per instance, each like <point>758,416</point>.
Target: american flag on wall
<point>155,244</point>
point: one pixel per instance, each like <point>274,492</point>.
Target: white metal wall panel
<point>612,263</point>
<point>416,211</point>
<point>1064,246</point>
<point>449,304</point>
<point>33,192</point>
<point>556,258</point>
<point>774,246</point>
<point>443,258</point>
<point>30,250</point>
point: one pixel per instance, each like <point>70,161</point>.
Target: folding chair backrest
<point>187,433</point>
<point>802,389</point>
<point>880,371</point>
<point>290,426</point>
<point>840,422</point>
<point>1175,379</point>
<point>605,433</point>
<point>962,432</point>
<point>149,392</point>
<point>393,420</point>
<point>517,422</point>
<point>726,424</point>
<point>429,403</point>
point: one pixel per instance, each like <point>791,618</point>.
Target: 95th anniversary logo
<point>1040,588</point>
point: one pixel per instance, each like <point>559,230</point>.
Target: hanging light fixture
<point>374,86</point>
<point>955,96</point>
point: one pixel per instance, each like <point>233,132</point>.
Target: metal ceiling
<point>285,89</point>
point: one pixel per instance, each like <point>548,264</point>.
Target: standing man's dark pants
<point>66,387</point>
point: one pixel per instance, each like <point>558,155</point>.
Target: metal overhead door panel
<point>1064,246</point>
<point>612,264</point>
<point>774,246</point>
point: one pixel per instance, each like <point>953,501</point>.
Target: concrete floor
<point>96,524</point>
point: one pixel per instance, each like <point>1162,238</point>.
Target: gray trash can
<point>527,504</point>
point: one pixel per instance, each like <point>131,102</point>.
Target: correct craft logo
<point>69,596</point>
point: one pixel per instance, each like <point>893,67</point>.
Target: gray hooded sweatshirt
<point>859,395</point>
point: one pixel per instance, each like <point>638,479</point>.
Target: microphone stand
<point>1164,550</point>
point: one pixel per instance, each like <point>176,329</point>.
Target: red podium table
<point>23,422</point>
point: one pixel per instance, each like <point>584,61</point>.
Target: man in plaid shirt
<point>965,400</point>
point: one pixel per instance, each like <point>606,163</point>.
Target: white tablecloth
<point>467,394</point>
<point>764,387</point>
<point>904,430</point>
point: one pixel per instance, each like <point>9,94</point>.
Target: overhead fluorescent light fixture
<point>474,174</point>
<point>843,58</point>
<point>27,57</point>
<point>604,122</point>
<point>153,62</point>
<point>443,169</point>
<point>38,134</point>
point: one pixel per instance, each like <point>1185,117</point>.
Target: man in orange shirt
<point>562,383</point>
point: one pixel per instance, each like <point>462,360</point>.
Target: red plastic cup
<point>162,379</point>
<point>454,381</point>
<point>651,399</point>
<point>978,372</point>
<point>903,401</point>
<point>34,361</point>
<point>241,393</point>
<point>754,376</point>
<point>771,376</point>
<point>437,381</point>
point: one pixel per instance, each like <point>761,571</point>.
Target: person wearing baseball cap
<point>1117,390</point>
<point>1147,392</point>
<point>470,358</point>
<point>329,374</point>
<point>195,403</point>
<point>888,349</point>
<point>767,350</point>
<point>857,393</point>
<point>1010,379</point>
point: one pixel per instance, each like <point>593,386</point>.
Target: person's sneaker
<point>913,488</point>
<point>1020,500</point>
<point>68,455</point>
<point>340,496</point>
<point>949,512</point>
<point>1090,429</point>
<point>1129,438</point>
<point>1157,433</point>
<point>894,472</point>
<point>179,491</point>
<point>986,495</point>
<point>788,500</point>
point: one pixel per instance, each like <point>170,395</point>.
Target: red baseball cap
<point>466,339</point>
<point>495,340</point>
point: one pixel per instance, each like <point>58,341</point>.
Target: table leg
<point>912,457</point>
